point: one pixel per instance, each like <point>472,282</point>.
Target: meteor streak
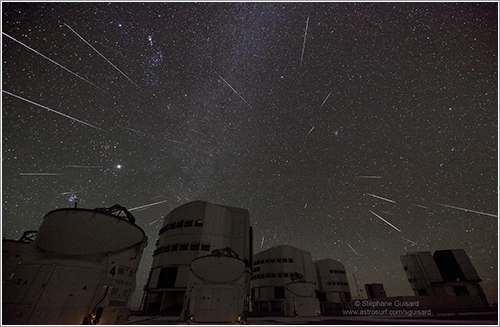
<point>55,111</point>
<point>40,174</point>
<point>352,248</point>
<point>131,129</point>
<point>310,131</point>
<point>388,223</point>
<point>262,242</point>
<point>198,132</point>
<point>325,99</point>
<point>75,166</point>
<point>234,91</point>
<point>100,54</point>
<point>147,205</point>
<point>414,243</point>
<point>304,45</point>
<point>379,197</point>
<point>71,192</point>
<point>466,210</point>
<point>421,206</point>
<point>52,61</point>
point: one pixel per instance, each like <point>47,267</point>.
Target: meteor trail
<point>352,248</point>
<point>234,91</point>
<point>131,129</point>
<point>305,206</point>
<point>262,242</point>
<point>466,210</point>
<point>147,205</point>
<point>304,45</point>
<point>64,193</point>
<point>379,197</point>
<point>75,166</point>
<point>198,132</point>
<point>55,111</point>
<point>151,223</point>
<point>40,174</point>
<point>310,131</point>
<point>100,54</point>
<point>421,206</point>
<point>388,223</point>
<point>52,61</point>
<point>368,176</point>
<point>325,99</point>
<point>414,243</point>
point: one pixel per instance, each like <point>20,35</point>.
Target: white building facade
<point>284,282</point>
<point>333,284</point>
<point>190,231</point>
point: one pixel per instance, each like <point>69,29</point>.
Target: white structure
<point>12,252</point>
<point>284,281</point>
<point>447,279</point>
<point>81,268</point>
<point>190,231</point>
<point>216,292</point>
<point>334,289</point>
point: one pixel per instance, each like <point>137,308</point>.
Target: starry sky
<point>355,131</point>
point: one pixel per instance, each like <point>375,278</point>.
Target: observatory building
<point>191,231</point>
<point>284,282</point>
<point>80,269</point>
<point>333,285</point>
<point>445,279</point>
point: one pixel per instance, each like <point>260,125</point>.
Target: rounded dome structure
<point>75,231</point>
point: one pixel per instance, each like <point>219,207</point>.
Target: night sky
<point>344,128</point>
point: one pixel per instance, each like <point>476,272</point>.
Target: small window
<point>278,260</point>
<point>285,275</point>
<point>130,273</point>
<point>405,268</point>
<point>267,260</point>
<point>205,246</point>
<point>273,261</point>
<point>198,222</point>
<point>279,292</point>
<point>163,230</point>
<point>273,275</point>
<point>174,247</point>
<point>280,275</point>
<point>331,271</point>
<point>195,246</point>
<point>188,223</point>
<point>268,275</point>
<point>171,226</point>
<point>329,283</point>
<point>183,246</point>
<point>285,260</point>
<point>290,260</point>
<point>166,248</point>
<point>255,263</point>
<point>461,290</point>
<point>423,292</point>
<point>179,224</point>
<point>347,296</point>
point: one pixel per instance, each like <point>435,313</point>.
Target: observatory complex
<point>80,269</point>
